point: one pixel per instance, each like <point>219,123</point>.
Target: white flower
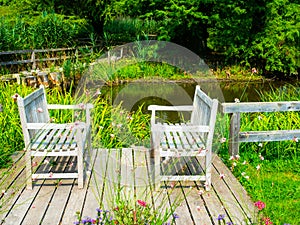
<point>236,100</point>
<point>112,135</point>
<point>237,157</point>
<point>245,162</point>
<point>258,167</point>
<point>234,164</point>
<point>261,157</point>
<point>295,139</point>
<point>260,145</point>
<point>247,177</point>
<point>231,157</point>
<point>223,140</point>
<point>222,175</point>
<point>198,207</point>
<point>243,174</point>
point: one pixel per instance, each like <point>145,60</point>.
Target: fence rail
<point>34,59</point>
<point>236,136</point>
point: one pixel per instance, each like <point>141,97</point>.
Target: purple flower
<point>229,223</point>
<point>99,210</point>
<point>76,223</point>
<point>221,217</point>
<point>175,215</point>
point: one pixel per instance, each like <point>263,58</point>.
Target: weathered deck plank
<point>49,203</point>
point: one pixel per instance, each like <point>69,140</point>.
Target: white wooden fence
<point>236,136</point>
<point>61,54</point>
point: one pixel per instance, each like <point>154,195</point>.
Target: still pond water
<point>132,95</point>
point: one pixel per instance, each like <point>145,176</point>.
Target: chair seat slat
<point>70,139</point>
<point>55,139</point>
<point>46,142</point>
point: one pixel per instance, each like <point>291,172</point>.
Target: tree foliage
<point>254,33</point>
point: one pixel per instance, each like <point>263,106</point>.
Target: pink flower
<point>261,157</point>
<point>295,139</point>
<point>253,70</point>
<point>15,97</point>
<point>81,105</point>
<point>222,175</point>
<point>200,192</point>
<point>260,205</point>
<point>142,203</point>
<point>198,207</point>
<point>98,92</point>
<point>40,110</point>
<point>267,221</point>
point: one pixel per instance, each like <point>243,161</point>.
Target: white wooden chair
<point>192,139</point>
<point>46,139</point>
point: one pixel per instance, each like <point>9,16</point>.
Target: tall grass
<point>11,138</point>
<point>270,170</point>
<point>113,127</point>
<point>124,30</point>
<point>47,30</point>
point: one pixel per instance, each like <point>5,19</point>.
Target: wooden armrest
<point>170,108</point>
<point>48,126</point>
<point>79,106</point>
<point>179,108</point>
<point>187,128</point>
<point>86,107</point>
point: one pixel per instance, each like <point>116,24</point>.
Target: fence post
<point>33,60</point>
<point>234,134</point>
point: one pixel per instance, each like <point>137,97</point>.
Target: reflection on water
<point>136,94</point>
<point>177,92</point>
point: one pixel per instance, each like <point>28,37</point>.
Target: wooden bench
<point>192,139</point>
<point>46,139</point>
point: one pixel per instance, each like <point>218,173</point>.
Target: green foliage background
<point>253,33</point>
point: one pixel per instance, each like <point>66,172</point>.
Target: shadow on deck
<point>56,202</point>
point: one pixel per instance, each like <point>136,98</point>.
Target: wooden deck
<point>52,202</point>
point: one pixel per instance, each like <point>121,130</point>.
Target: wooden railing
<point>236,136</point>
<point>22,56</point>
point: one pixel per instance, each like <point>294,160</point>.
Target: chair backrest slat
<point>202,108</point>
<point>33,109</point>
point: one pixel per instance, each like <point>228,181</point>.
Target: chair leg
<point>155,154</point>
<point>208,168</point>
<point>80,168</point>
<point>28,170</point>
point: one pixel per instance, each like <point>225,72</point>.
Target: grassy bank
<point>270,170</point>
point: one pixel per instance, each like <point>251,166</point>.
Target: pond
<point>134,94</point>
